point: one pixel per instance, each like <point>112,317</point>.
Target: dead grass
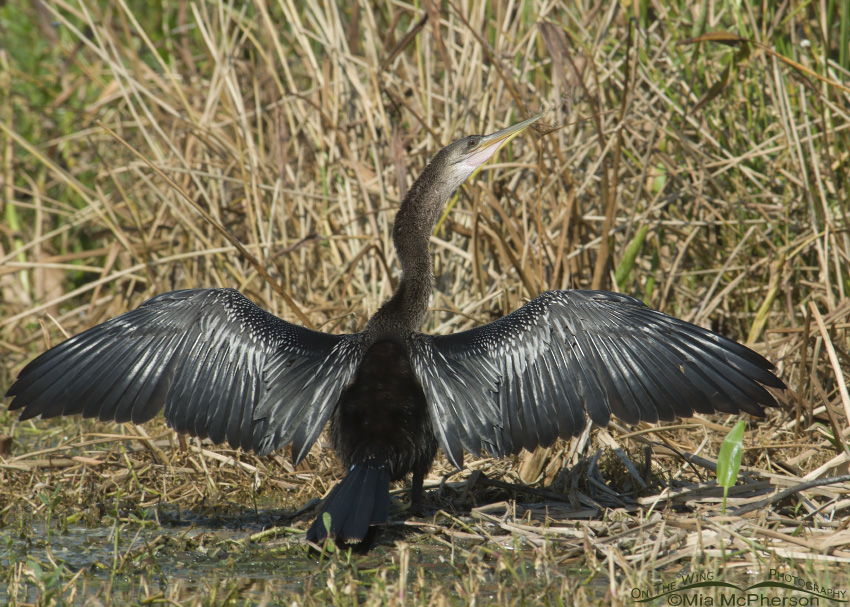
<point>710,180</point>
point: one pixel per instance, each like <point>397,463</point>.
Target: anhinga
<point>224,369</point>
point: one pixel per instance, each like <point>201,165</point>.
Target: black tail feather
<point>360,500</point>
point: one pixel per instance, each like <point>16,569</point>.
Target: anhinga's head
<point>457,161</point>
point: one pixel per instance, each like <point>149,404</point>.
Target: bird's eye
<point>472,142</point>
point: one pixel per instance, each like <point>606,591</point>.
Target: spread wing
<point>221,367</point>
<point>536,374</point>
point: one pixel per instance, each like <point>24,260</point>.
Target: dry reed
<point>707,178</point>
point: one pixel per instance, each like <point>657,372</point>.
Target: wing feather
<point>220,366</point>
<point>538,373</point>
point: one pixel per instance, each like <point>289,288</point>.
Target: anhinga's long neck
<point>403,313</point>
<point>411,235</point>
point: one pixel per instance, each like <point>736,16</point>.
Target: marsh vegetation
<point>706,175</point>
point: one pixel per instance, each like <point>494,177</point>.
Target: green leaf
<point>627,263</point>
<point>729,459</point>
<point>330,545</point>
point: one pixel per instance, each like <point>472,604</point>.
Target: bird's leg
<point>417,492</point>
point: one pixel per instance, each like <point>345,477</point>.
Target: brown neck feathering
<point>405,310</point>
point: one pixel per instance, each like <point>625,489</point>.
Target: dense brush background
<point>708,177</point>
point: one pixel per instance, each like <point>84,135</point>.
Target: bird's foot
<point>416,509</point>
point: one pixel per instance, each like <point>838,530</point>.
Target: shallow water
<point>180,562</point>
<point>174,560</point>
<point>201,560</point>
